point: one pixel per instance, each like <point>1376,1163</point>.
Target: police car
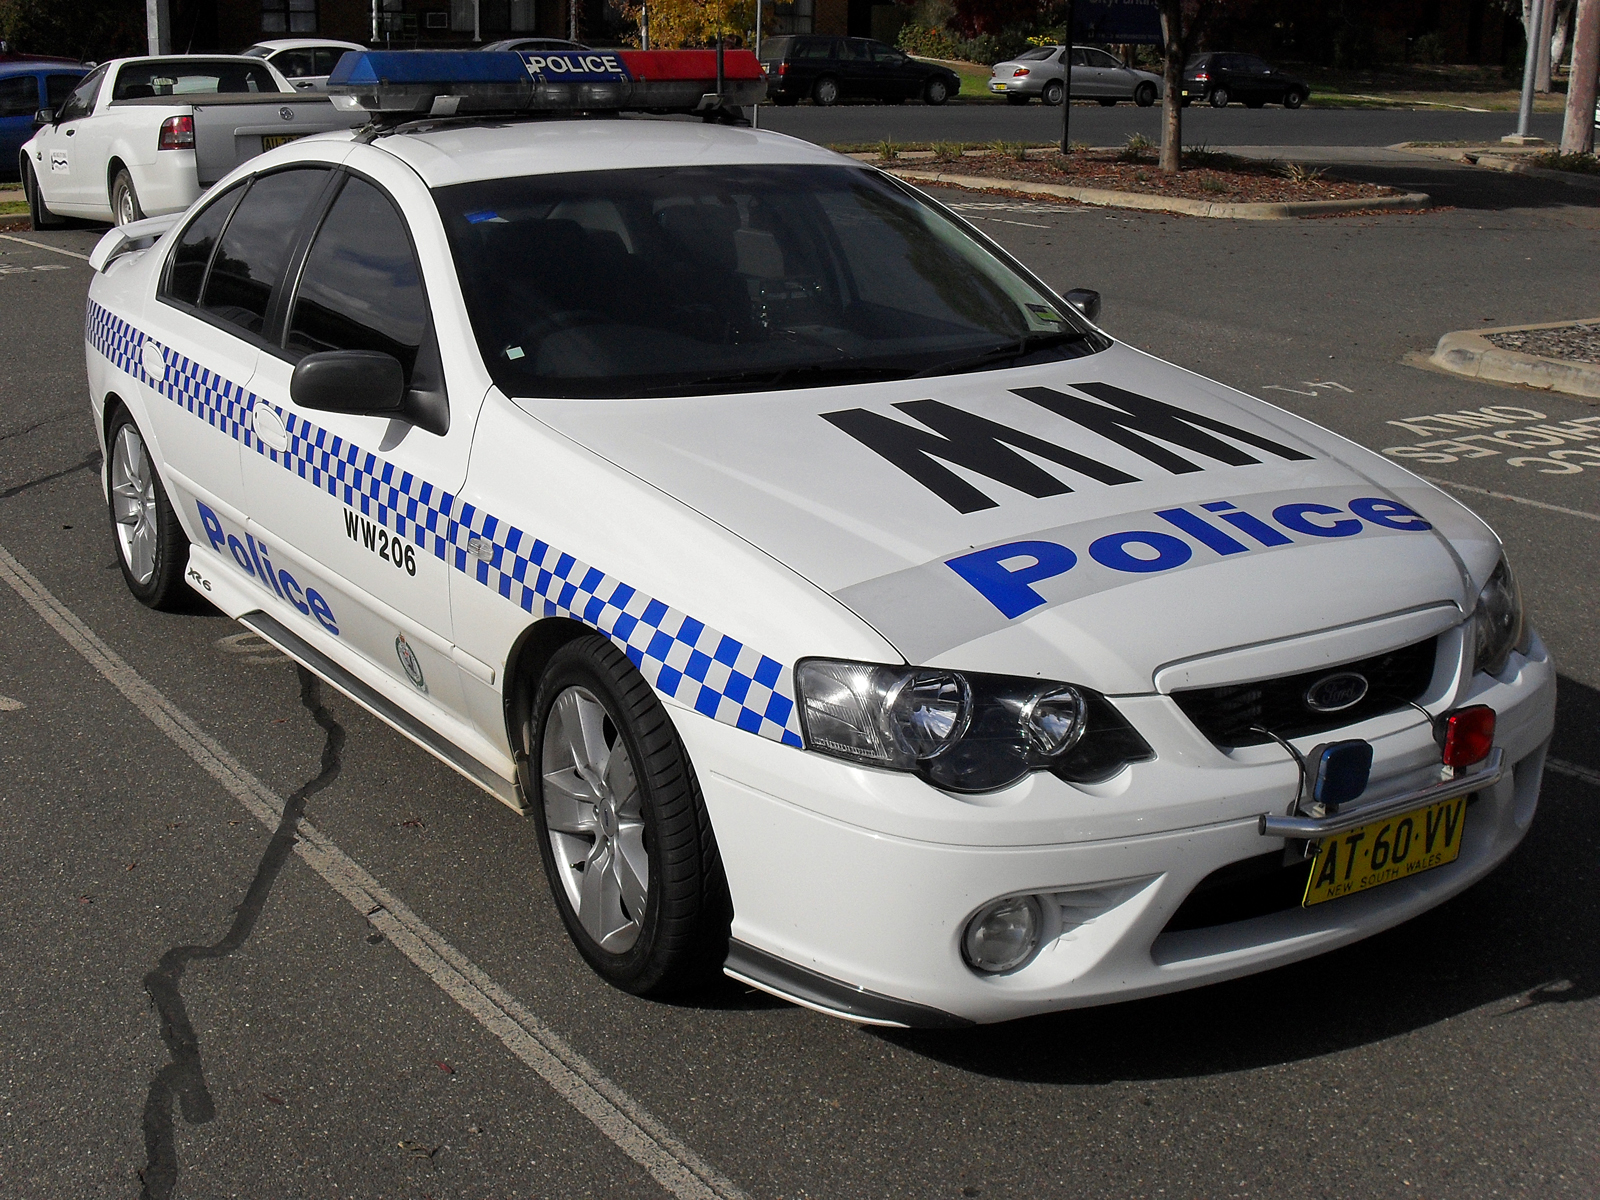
<point>848,611</point>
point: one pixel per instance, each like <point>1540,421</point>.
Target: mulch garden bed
<point>1215,177</point>
<point>1574,343</point>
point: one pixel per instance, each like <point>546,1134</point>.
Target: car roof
<point>45,66</point>
<point>472,152</point>
<point>302,44</point>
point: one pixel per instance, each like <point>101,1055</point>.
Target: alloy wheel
<point>133,504</point>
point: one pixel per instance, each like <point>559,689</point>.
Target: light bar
<point>450,82</point>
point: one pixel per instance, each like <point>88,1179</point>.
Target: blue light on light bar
<point>378,68</point>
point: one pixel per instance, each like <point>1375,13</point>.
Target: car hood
<point>1101,517</point>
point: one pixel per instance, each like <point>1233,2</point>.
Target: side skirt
<point>381,707</point>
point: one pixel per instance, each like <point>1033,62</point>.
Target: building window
<point>288,16</point>
<point>791,16</point>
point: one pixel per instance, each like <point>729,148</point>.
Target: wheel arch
<point>113,166</point>
<point>530,654</point>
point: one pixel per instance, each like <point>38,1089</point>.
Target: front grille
<point>1234,714</point>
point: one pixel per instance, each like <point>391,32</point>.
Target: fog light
<point>1002,936</point>
<point>1467,735</point>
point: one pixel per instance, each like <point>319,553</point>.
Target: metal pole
<point>1066,87</point>
<point>644,27</point>
<point>158,26</point>
<point>1530,67</point>
<point>755,111</point>
<point>572,21</point>
<point>477,20</point>
<point>1547,28</point>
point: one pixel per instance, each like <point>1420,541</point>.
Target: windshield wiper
<point>802,375</point>
<point>1028,343</point>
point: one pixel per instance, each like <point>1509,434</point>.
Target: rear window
<point>775,49</point>
<point>192,77</point>
<point>1037,54</point>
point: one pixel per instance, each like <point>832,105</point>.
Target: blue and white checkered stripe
<point>716,675</point>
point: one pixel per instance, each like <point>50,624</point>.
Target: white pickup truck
<point>145,136</point>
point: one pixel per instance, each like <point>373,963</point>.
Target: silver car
<point>1096,75</point>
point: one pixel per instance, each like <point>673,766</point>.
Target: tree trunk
<point>1577,132</point>
<point>1172,78</point>
<point>1563,31</point>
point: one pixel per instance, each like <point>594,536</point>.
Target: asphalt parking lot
<point>396,1012</point>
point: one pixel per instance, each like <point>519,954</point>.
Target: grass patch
<point>887,150</point>
<point>947,152</point>
<point>13,208</point>
<point>1017,151</point>
<point>1584,164</point>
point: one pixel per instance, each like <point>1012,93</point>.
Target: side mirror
<point>364,382</point>
<point>1087,303</point>
<point>45,116</point>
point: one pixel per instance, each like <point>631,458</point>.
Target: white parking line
<point>1478,491</point>
<point>10,237</point>
<point>576,1080</point>
<point>1562,767</point>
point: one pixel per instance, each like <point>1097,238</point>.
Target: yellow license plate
<point>999,87</point>
<point>1393,848</point>
<point>282,139</point>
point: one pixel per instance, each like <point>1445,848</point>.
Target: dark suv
<point>831,69</point>
<point>1223,78</point>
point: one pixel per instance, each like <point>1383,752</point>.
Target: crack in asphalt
<point>92,461</point>
<point>183,1079</point>
<point>21,430</point>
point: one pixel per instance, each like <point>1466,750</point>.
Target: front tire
<point>151,547</point>
<point>1053,91</point>
<point>1144,95</point>
<point>1218,97</point>
<point>125,209</point>
<point>623,831</point>
<point>825,92</point>
<point>39,216</point>
<point>936,92</point>
<point>1294,98</point>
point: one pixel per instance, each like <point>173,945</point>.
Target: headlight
<point>1498,624</point>
<point>964,732</point>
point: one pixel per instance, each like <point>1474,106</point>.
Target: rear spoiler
<point>125,239</point>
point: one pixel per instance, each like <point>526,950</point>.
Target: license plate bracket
<point>1386,850</point>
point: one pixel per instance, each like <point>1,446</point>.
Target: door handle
<point>269,426</point>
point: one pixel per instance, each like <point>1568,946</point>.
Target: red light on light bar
<point>1467,735</point>
<point>663,65</point>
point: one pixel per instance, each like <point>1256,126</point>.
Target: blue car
<point>26,86</point>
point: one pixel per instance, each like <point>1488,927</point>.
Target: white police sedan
<point>848,612</point>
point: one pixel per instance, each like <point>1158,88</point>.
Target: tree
<point>1181,21</point>
<point>675,23</point>
<point>81,29</point>
<point>1577,132</point>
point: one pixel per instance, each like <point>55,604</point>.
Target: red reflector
<point>1468,735</point>
<point>177,133</point>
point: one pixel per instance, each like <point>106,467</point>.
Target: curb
<point>1468,352</point>
<point>1108,198</point>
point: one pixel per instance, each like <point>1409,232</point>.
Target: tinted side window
<point>256,246</point>
<point>294,64</point>
<point>361,289</point>
<point>19,96</point>
<point>80,100</point>
<point>775,49</point>
<point>1099,58</point>
<point>58,87</point>
<point>816,48</point>
<point>327,59</point>
<point>193,255</point>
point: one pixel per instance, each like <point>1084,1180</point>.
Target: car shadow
<point>1522,938</point>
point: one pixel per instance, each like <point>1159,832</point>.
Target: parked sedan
<point>1096,75</point>
<point>831,69</point>
<point>26,86</point>
<point>533,45</point>
<point>304,62</point>
<point>1220,79</point>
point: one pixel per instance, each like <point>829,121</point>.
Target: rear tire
<point>124,200</point>
<point>125,209</point>
<point>825,92</point>
<point>936,92</point>
<point>151,547</point>
<point>1144,95</point>
<point>1218,97</point>
<point>1053,91</point>
<point>39,216</point>
<point>1294,98</point>
<point>614,797</point>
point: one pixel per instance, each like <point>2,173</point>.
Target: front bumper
<point>860,902</point>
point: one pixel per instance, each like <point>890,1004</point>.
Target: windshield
<point>695,280</point>
<point>191,77</point>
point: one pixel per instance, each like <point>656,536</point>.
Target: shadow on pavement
<point>1523,937</point>
<point>1474,187</point>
